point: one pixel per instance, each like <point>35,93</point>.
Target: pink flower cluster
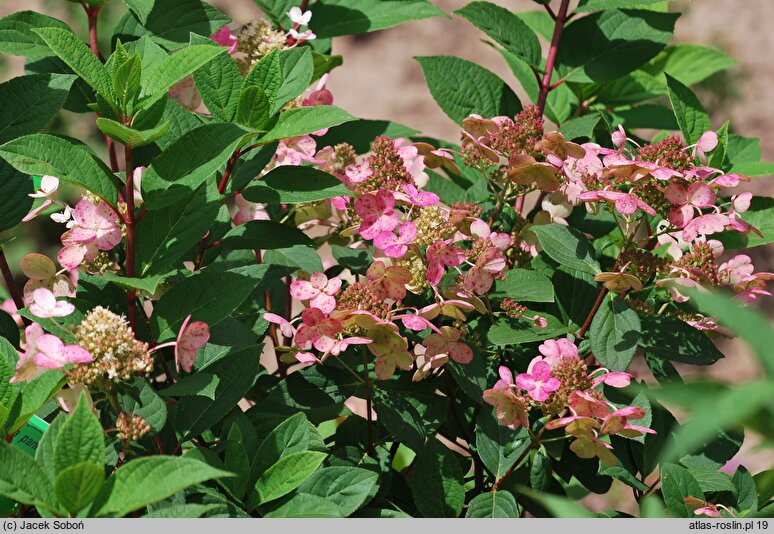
<point>560,384</point>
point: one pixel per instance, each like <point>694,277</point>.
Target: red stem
<point>131,295</point>
<point>11,284</point>
<point>592,313</point>
<point>545,86</point>
<point>92,13</point>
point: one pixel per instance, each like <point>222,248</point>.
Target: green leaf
<point>297,70</point>
<point>348,488</point>
<point>126,82</point>
<point>21,479</point>
<point>759,168</point>
<point>67,159</point>
<point>236,374</point>
<point>77,55</point>
<point>752,327</point>
<point>400,418</point>
<point>500,504</point>
<point>689,63</point>
<point>302,121</point>
<point>254,108</point>
<point>675,340</point>
<point>291,435</point>
<point>360,133</point>
<point>761,216</point>
<point>147,480</point>
<point>181,511</point>
<point>497,445</point>
<point>745,490</point>
<point>689,112</point>
<point>304,505</point>
<point>582,127</point>
<point>17,37</point>
<point>437,482</point>
<point>170,23</point>
<point>166,235</point>
<point>139,398</point>
<point>599,5</point>
<point>461,88</point>
<point>607,45</point>
<point>219,83</point>
<point>711,480</point>
<point>266,75</point>
<point>177,66</point>
<point>149,284</point>
<point>297,257</point>
<point>506,332</point>
<point>344,17</point>
<point>568,247</point>
<point>677,484</point>
<point>14,200</point>
<point>614,333</point>
<point>624,476</point>
<point>294,185</point>
<point>559,506</point>
<point>287,474</point>
<point>129,136</point>
<point>78,485</point>
<point>36,99</point>
<point>523,285</point>
<point>209,296</point>
<point>188,162</point>
<point>80,438</point>
<point>505,28</point>
<point>263,235</point>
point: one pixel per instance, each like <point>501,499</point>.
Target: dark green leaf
<point>294,185</point>
<point>437,482</point>
<point>614,333</point>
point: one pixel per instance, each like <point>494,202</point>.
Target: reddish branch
<point>131,295</point>
<point>11,284</point>
<point>545,86</point>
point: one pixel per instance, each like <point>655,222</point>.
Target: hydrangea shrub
<point>260,305</point>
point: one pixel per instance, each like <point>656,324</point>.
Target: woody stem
<point>545,85</point>
<point>131,295</point>
<point>11,284</point>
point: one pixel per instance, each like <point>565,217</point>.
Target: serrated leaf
<point>209,296</point>
<point>139,398</point>
<point>80,439</point>
<point>17,37</point>
<point>498,446</point>
<point>568,247</point>
<point>129,136</point>
<point>675,340</point>
<point>69,160</point>
<point>302,121</point>
<point>254,108</point>
<point>263,235</point>
<point>177,66</point>
<point>287,474</point>
<point>614,333</point>
<point>78,485</point>
<point>437,482</point>
<point>689,112</point>
<point>523,285</point>
<point>266,75</point>
<point>606,45</point>
<point>598,5</point>
<point>80,58</point>
<point>297,70</point>
<point>294,185</point>
<point>493,504</point>
<point>462,88</point>
<point>400,418</point>
<point>505,28</point>
<point>348,488</point>
<point>236,374</point>
<point>689,63</point>
<point>14,200</point>
<point>147,480</point>
<point>677,484</point>
<point>193,158</point>
<point>219,83</point>
<point>343,17</point>
<point>36,100</point>
<point>166,235</point>
<point>21,479</point>
<point>297,257</point>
